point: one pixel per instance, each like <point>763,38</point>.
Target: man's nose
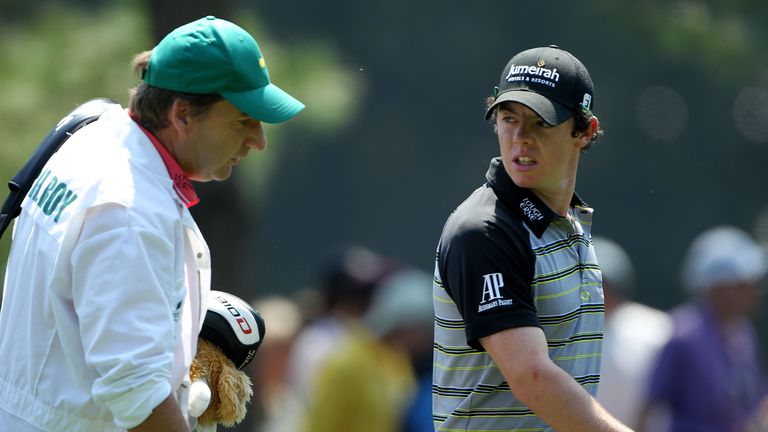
<point>257,138</point>
<point>522,135</point>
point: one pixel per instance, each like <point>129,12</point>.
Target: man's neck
<point>558,196</point>
<point>558,201</point>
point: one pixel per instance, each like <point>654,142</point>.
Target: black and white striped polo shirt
<point>506,260</point>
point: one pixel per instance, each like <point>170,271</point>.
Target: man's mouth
<point>525,161</point>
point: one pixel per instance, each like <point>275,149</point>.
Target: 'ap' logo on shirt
<point>492,298</point>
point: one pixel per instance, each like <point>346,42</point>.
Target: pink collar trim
<point>181,183</point>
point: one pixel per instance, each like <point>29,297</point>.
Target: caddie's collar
<point>181,183</point>
<point>523,202</point>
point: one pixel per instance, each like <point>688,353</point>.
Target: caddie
<point>102,300</point>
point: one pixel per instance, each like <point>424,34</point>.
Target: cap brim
<point>550,111</point>
<point>269,104</point>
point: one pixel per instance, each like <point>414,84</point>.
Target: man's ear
<point>594,126</point>
<point>179,115</point>
<point>586,138</point>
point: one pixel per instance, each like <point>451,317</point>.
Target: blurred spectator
<point>708,376</point>
<point>634,334</point>
<point>402,317</point>
<point>269,369</point>
<point>346,287</point>
<point>368,384</point>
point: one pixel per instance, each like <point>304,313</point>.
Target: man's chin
<point>217,176</point>
<point>222,177</point>
<point>222,174</point>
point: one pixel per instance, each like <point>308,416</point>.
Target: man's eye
<point>245,122</point>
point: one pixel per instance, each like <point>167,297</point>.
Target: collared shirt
<point>506,260</point>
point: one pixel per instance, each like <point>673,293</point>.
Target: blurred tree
<point>726,37</point>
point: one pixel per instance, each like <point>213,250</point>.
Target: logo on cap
<point>534,74</point>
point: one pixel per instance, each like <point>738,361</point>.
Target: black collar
<point>522,201</point>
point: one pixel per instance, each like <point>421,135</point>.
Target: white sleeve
<point>127,298</point>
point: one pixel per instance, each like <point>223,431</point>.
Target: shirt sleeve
<point>127,298</point>
<point>488,272</point>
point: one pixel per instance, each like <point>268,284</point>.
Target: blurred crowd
<point>354,353</point>
<point>696,368</point>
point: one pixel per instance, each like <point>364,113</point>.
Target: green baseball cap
<point>212,55</point>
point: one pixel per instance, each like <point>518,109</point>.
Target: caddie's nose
<point>256,138</point>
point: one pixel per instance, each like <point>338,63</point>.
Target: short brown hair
<point>149,105</point>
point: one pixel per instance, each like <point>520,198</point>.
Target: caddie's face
<point>536,155</point>
<point>217,140</point>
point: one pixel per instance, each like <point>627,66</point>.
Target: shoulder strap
<point>20,183</point>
